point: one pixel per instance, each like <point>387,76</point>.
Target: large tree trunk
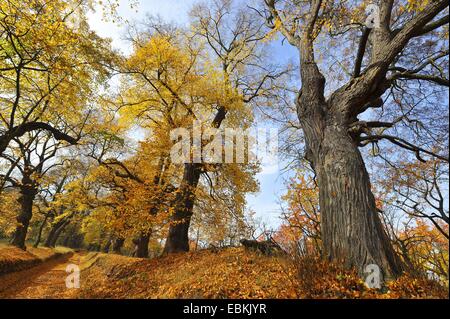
<point>178,239</point>
<point>352,231</point>
<point>23,219</point>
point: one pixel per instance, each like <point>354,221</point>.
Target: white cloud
<point>269,169</point>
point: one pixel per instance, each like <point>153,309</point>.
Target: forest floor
<point>13,259</point>
<point>227,273</point>
<point>231,273</point>
<point>46,280</point>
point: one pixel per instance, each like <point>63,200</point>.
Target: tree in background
<point>50,71</point>
<point>49,68</point>
<point>301,218</point>
<point>172,80</point>
<point>418,189</point>
<point>233,37</point>
<point>33,159</point>
<point>221,217</point>
<point>411,197</point>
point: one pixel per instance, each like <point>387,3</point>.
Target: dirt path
<point>43,281</point>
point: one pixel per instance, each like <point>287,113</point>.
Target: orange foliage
<point>228,273</point>
<point>302,218</point>
<point>319,279</point>
<point>238,273</point>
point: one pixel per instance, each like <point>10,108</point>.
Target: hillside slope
<point>13,259</point>
<point>235,273</point>
<point>230,273</point>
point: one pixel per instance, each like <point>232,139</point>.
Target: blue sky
<point>265,203</point>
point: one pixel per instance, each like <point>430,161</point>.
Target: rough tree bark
<point>352,231</point>
<point>177,239</point>
<point>27,194</point>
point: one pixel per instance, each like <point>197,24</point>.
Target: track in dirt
<point>43,281</point>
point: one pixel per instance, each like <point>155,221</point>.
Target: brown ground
<point>229,273</point>
<point>46,280</point>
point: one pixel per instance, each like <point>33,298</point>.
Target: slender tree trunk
<point>118,244</point>
<point>141,249</point>
<point>58,233</point>
<point>107,246</point>
<point>23,219</point>
<point>41,228</point>
<point>178,239</point>
<point>55,232</point>
<point>406,257</point>
<point>66,241</point>
<point>50,236</point>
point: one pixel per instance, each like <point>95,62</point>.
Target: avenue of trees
<point>85,131</point>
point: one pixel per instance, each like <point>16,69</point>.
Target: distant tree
<point>301,217</point>
<point>48,68</point>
